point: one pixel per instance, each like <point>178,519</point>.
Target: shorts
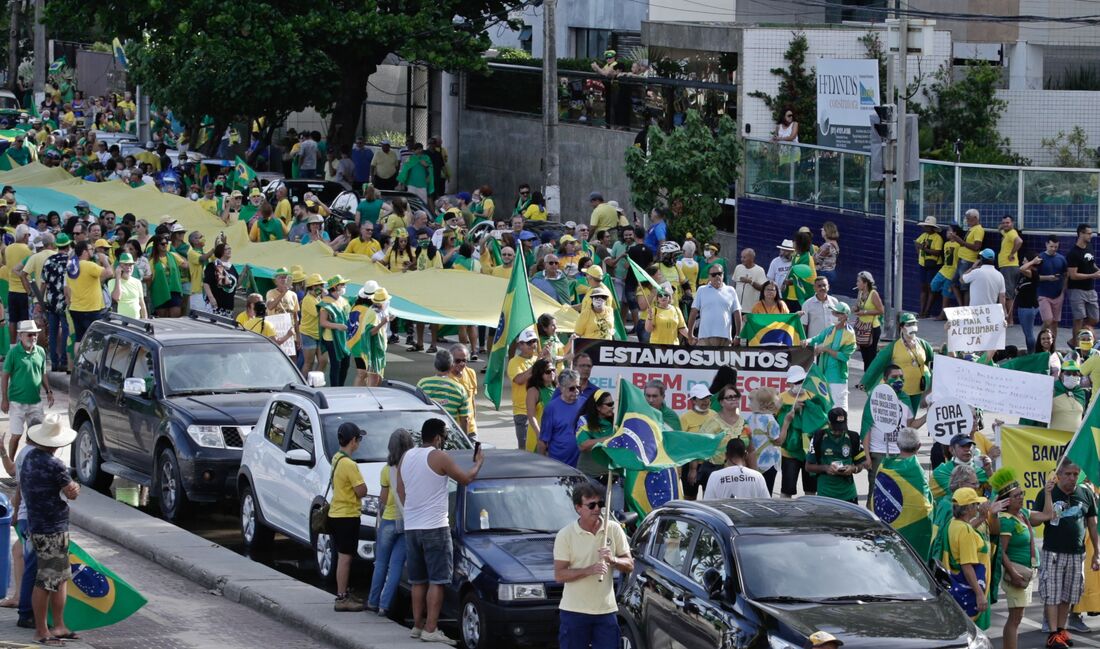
<point>1016,597</point>
<point>1011,274</point>
<point>53,560</point>
<point>173,302</point>
<point>361,362</point>
<point>19,307</point>
<point>22,416</point>
<point>1061,577</point>
<point>928,274</point>
<point>1083,304</point>
<point>429,557</point>
<point>789,485</point>
<point>81,321</point>
<point>344,533</point>
<point>308,342</point>
<point>1050,308</point>
<point>941,285</point>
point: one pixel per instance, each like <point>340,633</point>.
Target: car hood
<point>240,409</point>
<point>516,558</point>
<point>929,624</point>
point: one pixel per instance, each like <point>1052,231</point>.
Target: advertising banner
<point>847,93</point>
<point>682,367</point>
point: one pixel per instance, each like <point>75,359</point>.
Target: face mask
<point>707,254</point>
<point>911,330</point>
<point>701,406</point>
<point>836,321</point>
<point>896,384</point>
<point>422,244</point>
<point>1071,382</point>
<point>598,302</point>
<point>1085,346</point>
<point>194,197</point>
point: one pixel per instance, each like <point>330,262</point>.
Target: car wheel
<point>170,492</point>
<point>629,637</point>
<point>324,553</point>
<point>255,534</point>
<point>473,626</point>
<point>87,460</point>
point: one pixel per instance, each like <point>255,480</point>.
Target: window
<point>118,361</point>
<point>673,542</point>
<point>302,435</point>
<point>143,365</point>
<point>278,422</point>
<point>591,43</point>
<point>707,554</point>
<point>90,349</point>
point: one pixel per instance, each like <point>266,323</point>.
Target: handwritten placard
<point>889,417</point>
<point>992,388</point>
<point>282,323</point>
<point>948,418</point>
<point>975,328</point>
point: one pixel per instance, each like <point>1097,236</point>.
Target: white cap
<point>796,374</point>
<point>570,225</point>
<point>369,287</point>
<point>526,336</point>
<point>615,204</point>
<point>699,391</point>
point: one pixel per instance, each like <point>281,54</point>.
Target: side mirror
<point>713,582</point>
<point>939,573</point>
<point>627,519</point>
<point>299,457</point>
<point>316,379</point>
<point>133,386</point>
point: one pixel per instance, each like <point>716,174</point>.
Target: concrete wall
<point>504,151</point>
<point>975,31</point>
<point>1032,115</point>
<point>615,16</point>
<point>1056,32</point>
<point>386,85</point>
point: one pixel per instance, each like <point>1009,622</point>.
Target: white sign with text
<point>975,328</point>
<point>993,389</point>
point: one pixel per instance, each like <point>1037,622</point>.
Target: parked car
<point>168,404</point>
<point>285,468</point>
<point>768,573</point>
<point>297,188</point>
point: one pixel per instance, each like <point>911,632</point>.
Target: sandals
<point>68,636</point>
<point>50,641</point>
<point>415,348</point>
<point>431,350</point>
<point>8,602</point>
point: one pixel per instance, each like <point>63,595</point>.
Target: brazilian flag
<point>97,597</point>
<point>242,174</point>
<point>358,331</point>
<point>516,314</point>
<point>902,499</point>
<point>782,329</point>
<point>6,163</point>
<point>620,327</point>
<point>648,453</point>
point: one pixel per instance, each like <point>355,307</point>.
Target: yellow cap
<point>101,243</point>
<point>967,496</point>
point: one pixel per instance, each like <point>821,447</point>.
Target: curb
<point>237,578</point>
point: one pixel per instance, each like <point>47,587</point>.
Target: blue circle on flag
<point>888,499</point>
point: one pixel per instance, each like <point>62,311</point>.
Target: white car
<point>285,462</point>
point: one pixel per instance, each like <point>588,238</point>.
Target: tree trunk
<point>346,110</point>
<point>13,48</point>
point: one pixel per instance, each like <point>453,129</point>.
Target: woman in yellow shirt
<point>769,300</point>
<point>259,324</point>
<point>398,256</point>
<point>665,323</point>
<point>966,553</point>
<point>536,211</point>
<point>731,424</point>
<point>348,489</point>
<point>598,322</point>
<point>308,324</point>
<point>869,309</point>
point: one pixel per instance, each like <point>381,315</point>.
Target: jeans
<point>30,571</point>
<point>520,422</point>
<point>581,631</point>
<point>1026,317</point>
<point>337,367</point>
<point>430,556</point>
<point>57,332</point>
<point>389,560</point>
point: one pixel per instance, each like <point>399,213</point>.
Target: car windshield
<point>379,425</point>
<point>521,504</point>
<point>867,565</point>
<point>8,103</point>
<point>225,368</point>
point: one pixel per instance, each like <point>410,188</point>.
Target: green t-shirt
<point>248,210</point>
<point>1019,539</point>
<point>271,229</point>
<point>827,448</point>
<point>369,210</point>
<point>618,249</point>
<point>25,370</point>
<point>1066,531</point>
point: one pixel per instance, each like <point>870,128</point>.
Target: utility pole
<point>13,46</point>
<point>39,50</point>
<point>551,181</point>
<point>893,156</point>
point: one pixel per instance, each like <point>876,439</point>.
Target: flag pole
<point>610,477</point>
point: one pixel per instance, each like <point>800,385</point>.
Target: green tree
<point>797,90</point>
<point>1070,150</point>
<point>691,164</point>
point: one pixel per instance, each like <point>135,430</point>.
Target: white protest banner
<point>282,323</point>
<point>949,417</point>
<point>889,416</point>
<point>975,328</point>
<point>992,388</point>
<point>847,93</point>
<point>679,368</point>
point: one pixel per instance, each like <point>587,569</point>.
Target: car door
<point>702,618</point>
<point>142,412</point>
<point>664,589</point>
<point>301,483</point>
<point>268,467</point>
<point>112,417</point>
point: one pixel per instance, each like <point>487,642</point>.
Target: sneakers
<point>347,604</point>
<point>1046,626</point>
<point>437,636</point>
<point>415,633</point>
<point>1076,624</point>
<point>1057,640</point>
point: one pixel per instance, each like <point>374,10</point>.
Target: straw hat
<point>381,296</point>
<point>53,432</point>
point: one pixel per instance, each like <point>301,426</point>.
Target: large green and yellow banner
<point>1034,454</point>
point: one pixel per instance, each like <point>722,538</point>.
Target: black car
<point>769,573</point>
<point>297,188</point>
<point>168,403</point>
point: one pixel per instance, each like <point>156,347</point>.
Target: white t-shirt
<point>716,308</point>
<point>748,295</point>
<point>986,285</point>
<point>778,270</point>
<point>736,482</point>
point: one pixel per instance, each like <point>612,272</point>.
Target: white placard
<point>975,328</point>
<point>889,416</point>
<point>948,418</point>
<point>993,389</point>
<point>282,323</point>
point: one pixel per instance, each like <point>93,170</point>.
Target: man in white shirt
<point>736,480</point>
<point>748,279</point>
<point>781,265</point>
<point>817,312</point>
<point>987,284</point>
<point>717,309</point>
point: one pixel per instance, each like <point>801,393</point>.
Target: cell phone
<point>477,449</point>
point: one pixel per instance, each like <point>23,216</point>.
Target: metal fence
<point>1042,199</point>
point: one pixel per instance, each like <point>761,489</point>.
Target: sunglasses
<point>548,372</point>
<point>731,397</point>
<point>716,274</point>
<point>552,263</point>
<point>596,504</point>
<point>572,388</point>
<point>459,360</point>
<point>608,404</point>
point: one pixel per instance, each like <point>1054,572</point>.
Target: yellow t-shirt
<point>359,247</point>
<point>689,269</point>
<point>260,326</point>
<point>868,304</point>
<point>468,379</point>
<point>389,512</point>
<point>604,217</point>
<point>1091,369</point>
<point>1066,413</point>
<point>729,431</point>
<point>950,259</point>
<point>87,294</point>
<point>15,255</point>
<point>966,546</point>
<point>195,268</point>
<point>242,318</point>
<point>33,265</point>
<point>534,213</point>
<point>283,211</point>
<point>580,549</point>
<point>667,324</point>
<point>692,421</point>
<point>345,478</point>
<point>1007,258</point>
<point>393,223</point>
<point>598,326</point>
<point>911,361</point>
<point>973,235</point>
<point>649,295</point>
<point>308,318</point>
<point>518,365</point>
<point>503,272</point>
<point>934,241</point>
<point>209,204</point>
<point>674,276</point>
<point>423,263</point>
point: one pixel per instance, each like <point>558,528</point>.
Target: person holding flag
<point>803,411</point>
<point>900,494</point>
<point>833,348</point>
<point>910,353</point>
<point>595,424</point>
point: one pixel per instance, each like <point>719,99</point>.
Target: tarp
<point>448,297</point>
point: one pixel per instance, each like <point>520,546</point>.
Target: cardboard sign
<point>992,388</point>
<point>886,411</point>
<point>948,418</point>
<point>282,323</point>
<point>975,328</point>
